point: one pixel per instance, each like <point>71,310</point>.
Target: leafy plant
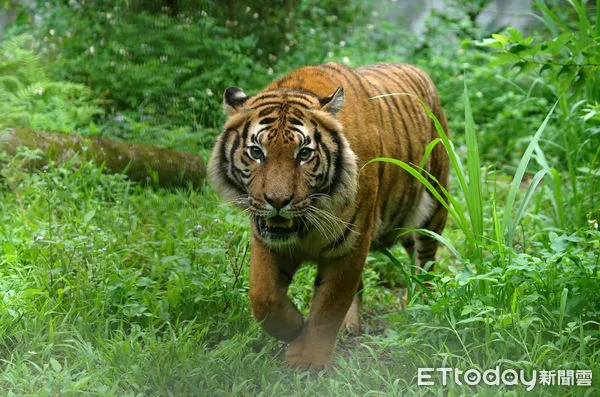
<point>569,65</point>
<point>28,98</point>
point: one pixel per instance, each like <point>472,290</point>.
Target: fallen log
<point>140,162</point>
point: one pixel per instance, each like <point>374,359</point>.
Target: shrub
<point>28,98</point>
<point>169,67</point>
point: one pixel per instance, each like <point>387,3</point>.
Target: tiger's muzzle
<point>280,224</point>
<point>278,229</point>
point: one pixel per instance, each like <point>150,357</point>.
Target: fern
<point>28,98</point>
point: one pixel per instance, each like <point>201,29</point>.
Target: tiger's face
<point>283,158</point>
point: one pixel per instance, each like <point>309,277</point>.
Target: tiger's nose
<point>277,200</point>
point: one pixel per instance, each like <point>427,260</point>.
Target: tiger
<point>294,157</point>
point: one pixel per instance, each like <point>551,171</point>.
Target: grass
<point>109,288</point>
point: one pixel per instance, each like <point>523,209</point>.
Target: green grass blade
<point>473,170</point>
<point>428,151</point>
<point>409,276</point>
<point>514,186</point>
<point>442,240</point>
<point>419,176</point>
<point>532,187</point>
<point>584,23</point>
<point>563,306</point>
<point>597,22</point>
<point>551,21</point>
<point>454,159</point>
<point>557,198</point>
<point>497,230</point>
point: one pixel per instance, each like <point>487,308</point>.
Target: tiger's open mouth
<point>277,228</point>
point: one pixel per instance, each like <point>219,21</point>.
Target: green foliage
<point>130,60</point>
<point>28,98</point>
<point>569,65</point>
<point>171,67</point>
<point>109,288</point>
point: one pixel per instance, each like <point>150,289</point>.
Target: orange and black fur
<point>291,156</point>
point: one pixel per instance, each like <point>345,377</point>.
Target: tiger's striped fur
<point>292,157</point>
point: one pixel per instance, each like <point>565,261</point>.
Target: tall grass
<point>471,188</point>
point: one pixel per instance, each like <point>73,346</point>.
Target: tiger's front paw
<point>308,361</point>
<point>305,356</point>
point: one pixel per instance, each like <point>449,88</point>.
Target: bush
<point>132,62</point>
<point>169,67</point>
<point>28,98</point>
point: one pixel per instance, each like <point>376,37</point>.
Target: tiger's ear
<point>334,102</point>
<point>233,99</point>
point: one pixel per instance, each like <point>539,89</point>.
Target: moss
<point>140,162</point>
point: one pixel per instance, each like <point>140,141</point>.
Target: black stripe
<point>263,129</point>
<point>260,97</point>
<point>234,146</point>
<point>399,112</point>
<point>297,112</point>
<point>245,133</point>
<point>325,150</point>
<point>267,120</point>
<point>295,121</point>
<point>303,105</point>
<point>360,79</point>
<point>387,204</point>
<point>233,170</point>
<point>317,163</point>
<point>335,182</point>
<point>280,104</point>
<point>268,111</point>
<point>223,152</point>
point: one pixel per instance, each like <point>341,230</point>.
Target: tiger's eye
<point>255,152</point>
<point>305,154</point>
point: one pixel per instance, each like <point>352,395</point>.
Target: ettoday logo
<point>508,377</point>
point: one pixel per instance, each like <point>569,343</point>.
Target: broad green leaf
<point>514,34</point>
<point>501,38</point>
<point>56,366</point>
<point>492,43</point>
<point>501,58</point>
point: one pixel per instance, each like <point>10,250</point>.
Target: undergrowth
<point>114,289</point>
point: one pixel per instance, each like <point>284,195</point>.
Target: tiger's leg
<point>408,242</point>
<point>337,283</point>
<point>352,319</point>
<point>426,246</point>
<point>270,276</point>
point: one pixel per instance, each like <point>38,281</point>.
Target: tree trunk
<point>143,163</point>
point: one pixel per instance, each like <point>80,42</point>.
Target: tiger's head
<point>282,157</point>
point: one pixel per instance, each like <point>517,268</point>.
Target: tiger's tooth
<point>282,223</point>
